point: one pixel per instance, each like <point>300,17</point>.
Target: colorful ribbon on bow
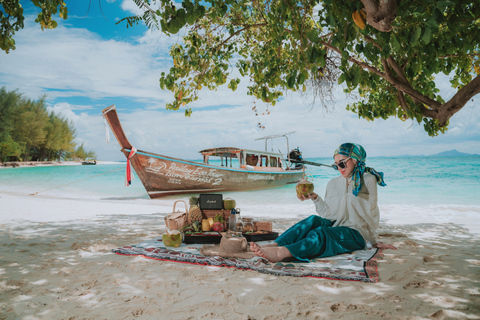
<point>128,173</point>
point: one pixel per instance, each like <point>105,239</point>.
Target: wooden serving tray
<point>260,236</point>
<point>202,237</point>
<point>215,237</point>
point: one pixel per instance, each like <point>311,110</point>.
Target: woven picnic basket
<point>177,219</point>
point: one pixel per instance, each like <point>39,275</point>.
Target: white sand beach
<point>56,263</point>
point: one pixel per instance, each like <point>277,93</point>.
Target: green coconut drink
<point>172,239</point>
<point>304,187</point>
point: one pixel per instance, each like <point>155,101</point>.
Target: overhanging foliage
<point>390,51</point>
<point>390,54</point>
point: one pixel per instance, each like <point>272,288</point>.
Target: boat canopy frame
<point>271,137</point>
<point>262,158</point>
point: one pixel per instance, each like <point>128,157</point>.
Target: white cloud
<point>74,61</point>
<point>130,6</point>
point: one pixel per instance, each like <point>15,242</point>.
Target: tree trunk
<point>380,14</point>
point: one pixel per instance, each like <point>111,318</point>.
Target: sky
<point>89,63</point>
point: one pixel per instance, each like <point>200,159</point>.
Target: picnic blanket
<point>359,265</point>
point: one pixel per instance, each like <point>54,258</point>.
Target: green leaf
<point>322,58</point>
<point>313,55</point>
<point>301,78</point>
<point>434,26</point>
<point>395,44</point>
<point>416,35</point>
<point>438,16</point>
<point>291,80</point>
<point>427,35</point>
<point>190,17</point>
<point>359,47</point>
<point>233,84</point>
<point>443,4</point>
<point>312,35</point>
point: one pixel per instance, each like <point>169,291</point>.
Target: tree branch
<point>239,31</point>
<point>399,85</point>
<point>353,60</point>
<point>434,105</point>
<point>388,73</point>
<point>393,64</point>
<point>328,35</point>
<point>457,55</point>
<point>403,103</point>
<point>390,78</point>
<point>375,44</point>
<point>459,100</point>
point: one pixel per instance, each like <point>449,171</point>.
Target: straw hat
<point>235,247</point>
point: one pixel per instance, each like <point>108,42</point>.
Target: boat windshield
<point>272,137</point>
<point>241,158</point>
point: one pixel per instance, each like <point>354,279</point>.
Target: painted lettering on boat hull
<point>177,172</point>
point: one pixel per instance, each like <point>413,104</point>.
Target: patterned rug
<point>356,266</point>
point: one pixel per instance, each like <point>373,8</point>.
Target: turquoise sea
<point>410,181</point>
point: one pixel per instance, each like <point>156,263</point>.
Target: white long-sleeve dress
<point>357,212</point>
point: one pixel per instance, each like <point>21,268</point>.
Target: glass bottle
<point>239,223</point>
<point>247,224</point>
<point>232,220</point>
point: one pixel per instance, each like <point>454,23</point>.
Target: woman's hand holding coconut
<point>303,197</point>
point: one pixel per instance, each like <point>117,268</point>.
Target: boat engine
<point>296,158</point>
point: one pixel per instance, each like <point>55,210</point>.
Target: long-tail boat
<point>165,176</point>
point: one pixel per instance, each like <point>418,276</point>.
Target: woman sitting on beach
<point>348,217</point>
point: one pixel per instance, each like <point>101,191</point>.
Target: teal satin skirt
<point>315,237</point>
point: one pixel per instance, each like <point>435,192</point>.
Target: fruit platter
<point>202,237</point>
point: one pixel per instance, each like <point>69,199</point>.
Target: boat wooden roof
<point>232,152</point>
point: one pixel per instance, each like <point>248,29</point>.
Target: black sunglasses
<point>342,164</point>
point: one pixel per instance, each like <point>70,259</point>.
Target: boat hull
<point>165,176</point>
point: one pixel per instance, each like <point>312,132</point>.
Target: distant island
<point>454,153</point>
<point>451,153</point>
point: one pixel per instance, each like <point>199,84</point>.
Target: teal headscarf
<point>356,151</point>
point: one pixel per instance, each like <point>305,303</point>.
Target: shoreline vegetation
<point>21,164</point>
<point>15,164</point>
<point>29,132</point>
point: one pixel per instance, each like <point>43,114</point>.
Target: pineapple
<point>194,214</point>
